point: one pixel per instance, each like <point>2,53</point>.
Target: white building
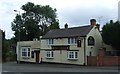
<point>28,51</point>
<point>71,45</point>
<point>68,45</point>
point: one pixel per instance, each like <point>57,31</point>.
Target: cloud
<point>73,12</point>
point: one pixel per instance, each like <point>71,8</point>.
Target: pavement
<point>10,67</point>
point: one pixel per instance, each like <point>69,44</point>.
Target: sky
<point>73,12</point>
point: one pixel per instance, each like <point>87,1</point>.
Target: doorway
<point>37,56</point>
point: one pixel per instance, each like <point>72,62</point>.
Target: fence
<point>103,60</point>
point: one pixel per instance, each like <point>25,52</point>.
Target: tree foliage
<point>34,22</point>
<point>7,51</point>
<point>111,34</point>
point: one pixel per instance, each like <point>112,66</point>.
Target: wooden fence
<point>103,60</point>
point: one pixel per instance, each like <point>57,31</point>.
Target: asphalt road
<point>12,67</point>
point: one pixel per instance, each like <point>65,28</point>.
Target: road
<point>45,67</point>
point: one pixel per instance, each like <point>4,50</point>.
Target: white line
<point>5,71</point>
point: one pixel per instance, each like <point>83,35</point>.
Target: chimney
<point>66,26</point>
<point>93,22</point>
<point>111,21</point>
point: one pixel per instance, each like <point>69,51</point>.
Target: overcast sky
<point>73,12</point>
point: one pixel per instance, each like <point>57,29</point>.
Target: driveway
<point>46,67</point>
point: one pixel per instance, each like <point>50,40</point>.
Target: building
<point>71,45</point>
<point>0,45</point>
<point>28,51</point>
<point>68,45</point>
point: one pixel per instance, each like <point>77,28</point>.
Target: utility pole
<point>18,54</point>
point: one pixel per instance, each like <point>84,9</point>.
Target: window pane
<point>50,41</point>
<point>28,49</point>
<point>75,40</point>
<point>28,54</point>
<point>91,41</point>
<point>32,54</point>
<point>24,53</point>
<point>51,53</point>
<point>76,54</point>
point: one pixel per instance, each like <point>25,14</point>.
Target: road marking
<point>5,71</point>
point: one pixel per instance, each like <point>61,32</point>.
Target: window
<point>49,54</point>
<point>91,41</point>
<point>72,54</point>
<point>32,54</point>
<point>50,41</point>
<point>72,40</point>
<point>26,52</point>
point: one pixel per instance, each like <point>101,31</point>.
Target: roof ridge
<point>73,27</point>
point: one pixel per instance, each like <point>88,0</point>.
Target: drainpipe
<point>84,51</point>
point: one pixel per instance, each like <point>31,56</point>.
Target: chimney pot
<point>66,26</point>
<point>93,22</point>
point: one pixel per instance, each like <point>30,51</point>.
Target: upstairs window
<point>50,41</point>
<point>72,40</point>
<point>91,41</point>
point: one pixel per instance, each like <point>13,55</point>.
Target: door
<point>37,56</point>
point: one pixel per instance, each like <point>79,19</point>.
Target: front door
<point>37,56</point>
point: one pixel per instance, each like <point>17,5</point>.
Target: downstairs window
<point>72,54</point>
<point>49,54</point>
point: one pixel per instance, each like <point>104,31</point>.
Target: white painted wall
<point>98,42</point>
<point>32,44</point>
<point>60,56</point>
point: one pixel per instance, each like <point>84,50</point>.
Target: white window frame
<point>25,50</point>
<point>72,55</point>
<point>50,41</point>
<point>49,54</point>
<point>72,40</point>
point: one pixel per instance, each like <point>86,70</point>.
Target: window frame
<point>72,40</point>
<point>49,54</point>
<point>26,51</point>
<point>50,41</point>
<point>91,43</point>
<point>72,55</point>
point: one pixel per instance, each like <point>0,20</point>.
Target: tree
<point>34,22</point>
<point>111,34</point>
